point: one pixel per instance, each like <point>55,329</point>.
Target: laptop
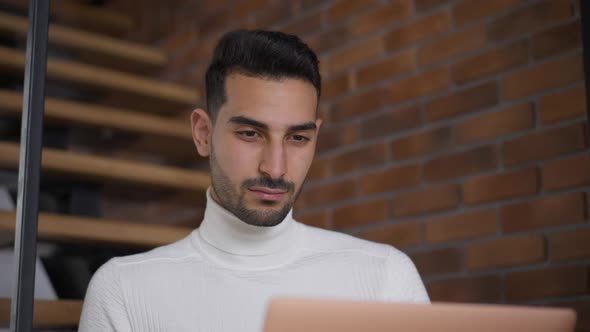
<point>307,315</point>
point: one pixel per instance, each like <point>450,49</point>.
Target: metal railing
<point>585,18</point>
<point>29,172</point>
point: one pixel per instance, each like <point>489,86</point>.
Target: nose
<point>274,161</point>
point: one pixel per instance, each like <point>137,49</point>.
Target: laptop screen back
<point>305,315</point>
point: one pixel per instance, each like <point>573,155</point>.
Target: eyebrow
<point>304,126</point>
<point>243,120</point>
<point>248,121</point>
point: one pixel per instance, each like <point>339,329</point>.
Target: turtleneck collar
<point>228,240</point>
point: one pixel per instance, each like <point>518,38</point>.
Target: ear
<point>318,124</point>
<point>201,129</point>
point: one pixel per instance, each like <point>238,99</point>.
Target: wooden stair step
<point>75,229</point>
<point>101,169</point>
<point>165,137</point>
<point>126,51</point>
<point>100,116</point>
<point>93,76</point>
<point>75,13</point>
<point>47,313</point>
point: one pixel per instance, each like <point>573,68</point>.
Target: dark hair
<point>267,54</point>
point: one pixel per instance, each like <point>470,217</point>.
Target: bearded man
<point>259,131</point>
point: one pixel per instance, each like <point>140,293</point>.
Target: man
<point>259,132</point>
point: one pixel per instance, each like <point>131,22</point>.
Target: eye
<point>299,138</point>
<point>248,134</point>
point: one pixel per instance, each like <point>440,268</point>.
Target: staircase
<point>122,97</point>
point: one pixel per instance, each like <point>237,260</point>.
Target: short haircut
<point>257,53</point>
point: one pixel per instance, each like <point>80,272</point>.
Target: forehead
<point>278,103</point>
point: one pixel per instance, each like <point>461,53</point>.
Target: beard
<point>232,198</point>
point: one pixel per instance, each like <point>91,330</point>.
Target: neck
<point>223,235</point>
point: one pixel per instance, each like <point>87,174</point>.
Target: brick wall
<point>454,130</point>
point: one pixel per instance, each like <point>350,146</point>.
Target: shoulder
<point>325,240</point>
<point>180,249</point>
<point>394,260</point>
<point>119,269</point>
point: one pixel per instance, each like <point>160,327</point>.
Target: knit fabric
<point>222,276</point>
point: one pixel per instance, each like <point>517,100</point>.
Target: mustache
<point>269,183</point>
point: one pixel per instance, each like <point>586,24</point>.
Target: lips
<point>268,194</point>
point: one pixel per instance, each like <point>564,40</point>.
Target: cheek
<point>299,164</point>
<point>235,158</point>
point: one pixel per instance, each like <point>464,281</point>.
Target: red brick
<point>382,16</point>
<point>453,45</point>
<point>582,308</point>
<point>278,13</point>
<point>467,100</point>
<point>354,55</point>
<point>567,245</point>
<point>517,250</point>
<point>245,8</point>
<point>188,57</point>
<point>397,235</point>
<point>401,63</point>
<point>459,164</point>
<point>302,25</point>
<point>335,87</point>
<point>424,5</point>
<point>462,226</point>
<point>361,104</point>
<point>180,40</point>
<point>319,170</point>
<point>316,220</point>
<point>422,29</point>
<point>544,145</point>
<point>530,19</point>
<point>557,40</point>
<point>567,173</point>
<point>484,289</point>
<point>308,4</point>
<point>550,211</point>
<point>548,282</point>
<point>330,138</point>
<point>343,8</point>
<point>500,186</point>
<point>543,76</point>
<point>329,193</point>
<point>324,113</point>
<point>563,105</point>
<point>360,214</point>
<point>427,200</point>
<point>491,62</point>
<point>422,143</point>
<point>491,125</point>
<point>438,261</point>
<point>469,11</point>
<point>420,85</point>
<point>204,51</point>
<point>359,158</point>
<point>391,122</point>
<point>212,7</point>
<point>178,64</point>
<point>216,23</point>
<point>330,38</point>
<point>390,179</point>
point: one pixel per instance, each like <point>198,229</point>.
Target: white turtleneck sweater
<point>221,276</point>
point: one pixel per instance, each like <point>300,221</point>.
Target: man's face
<point>262,145</point>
